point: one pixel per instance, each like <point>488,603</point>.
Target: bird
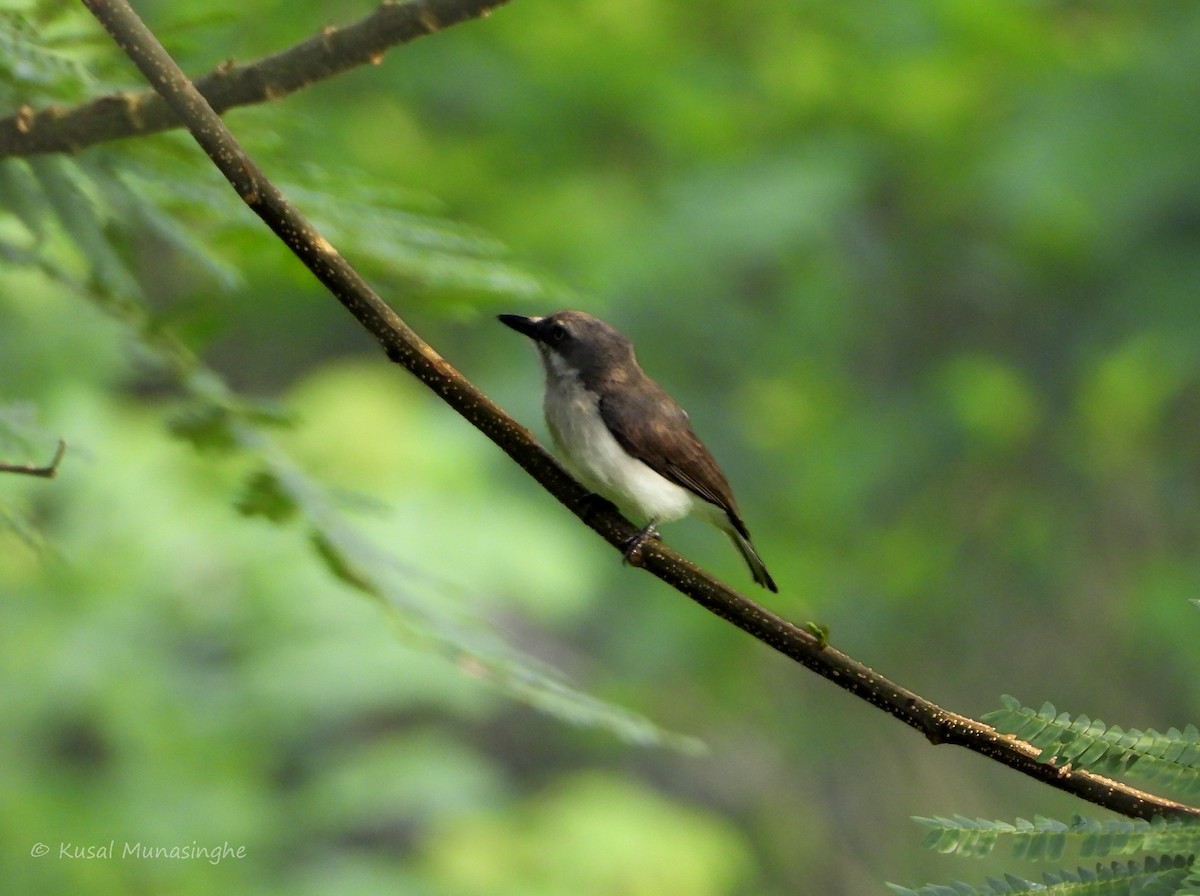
<point>624,437</point>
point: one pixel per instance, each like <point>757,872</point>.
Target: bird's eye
<point>558,333</point>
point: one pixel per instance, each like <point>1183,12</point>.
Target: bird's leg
<point>632,548</point>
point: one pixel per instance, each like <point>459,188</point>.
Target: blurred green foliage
<point>925,276</point>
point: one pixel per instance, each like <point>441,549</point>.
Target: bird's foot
<point>631,549</point>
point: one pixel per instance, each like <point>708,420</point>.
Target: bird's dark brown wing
<point>651,426</point>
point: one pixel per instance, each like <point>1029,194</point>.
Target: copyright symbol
<point>39,850</point>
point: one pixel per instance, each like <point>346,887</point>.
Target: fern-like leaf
<point>410,246</point>
<point>131,201</point>
<point>1168,760</point>
<point>66,188</point>
<point>418,604</point>
<point>1165,876</point>
<point>29,59</point>
<point>1047,838</point>
<point>1042,838</point>
<point>20,195</point>
<point>1127,836</point>
<point>1191,885</point>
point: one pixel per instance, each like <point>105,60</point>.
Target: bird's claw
<point>631,548</point>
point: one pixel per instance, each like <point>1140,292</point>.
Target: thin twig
<point>56,129</point>
<point>403,346</point>
<point>46,472</point>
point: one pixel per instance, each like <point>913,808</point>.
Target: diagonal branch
<point>56,129</point>
<point>403,346</point>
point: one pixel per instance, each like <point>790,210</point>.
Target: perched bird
<point>623,436</point>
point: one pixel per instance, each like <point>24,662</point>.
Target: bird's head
<point>574,342</point>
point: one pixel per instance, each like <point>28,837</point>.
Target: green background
<point>926,278</point>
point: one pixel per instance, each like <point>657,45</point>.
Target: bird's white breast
<point>595,456</point>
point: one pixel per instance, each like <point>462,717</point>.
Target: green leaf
<point>1154,876</point>
<point>66,187</point>
<point>340,565</point>
<point>209,427</point>
<point>21,195</point>
<point>410,246</point>
<point>1047,838</point>
<point>1170,761</point>
<point>133,207</point>
<point>264,496</point>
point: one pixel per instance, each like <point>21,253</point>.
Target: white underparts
<point>597,459</point>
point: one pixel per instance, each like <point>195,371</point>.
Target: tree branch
<point>403,346</point>
<point>137,113</point>
<point>45,472</point>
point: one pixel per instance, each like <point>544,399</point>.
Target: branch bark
<point>46,471</point>
<point>405,347</point>
<point>56,129</point>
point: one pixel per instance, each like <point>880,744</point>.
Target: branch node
<point>133,108</point>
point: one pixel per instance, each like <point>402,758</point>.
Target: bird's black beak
<point>526,325</point>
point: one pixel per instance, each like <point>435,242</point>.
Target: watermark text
<point>133,850</point>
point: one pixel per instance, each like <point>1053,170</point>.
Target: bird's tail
<point>757,568</point>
